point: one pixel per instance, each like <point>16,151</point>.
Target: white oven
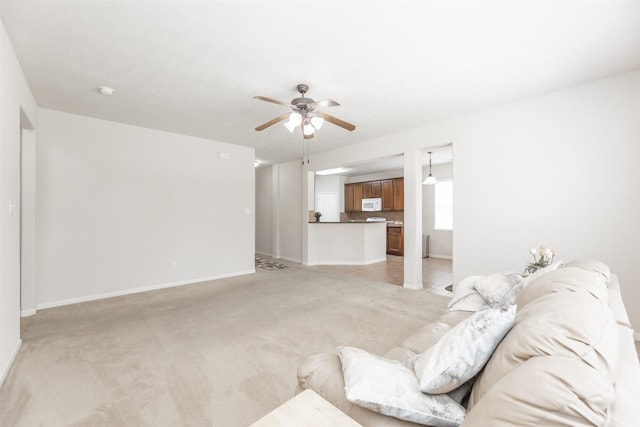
<point>372,205</point>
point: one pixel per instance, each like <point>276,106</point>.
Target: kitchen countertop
<point>389,224</point>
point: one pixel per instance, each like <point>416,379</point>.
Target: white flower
<point>548,253</point>
<point>533,251</point>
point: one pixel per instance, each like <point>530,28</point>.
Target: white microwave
<point>372,205</point>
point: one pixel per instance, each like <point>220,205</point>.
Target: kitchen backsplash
<point>361,216</point>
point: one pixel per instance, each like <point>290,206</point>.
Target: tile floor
<point>436,272</point>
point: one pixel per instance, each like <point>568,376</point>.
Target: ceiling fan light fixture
<point>304,114</point>
<point>290,126</point>
<point>294,121</point>
<point>317,122</point>
<point>308,129</point>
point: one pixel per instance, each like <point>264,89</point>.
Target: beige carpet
<point>219,353</point>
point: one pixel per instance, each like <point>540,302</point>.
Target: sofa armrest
<point>322,372</point>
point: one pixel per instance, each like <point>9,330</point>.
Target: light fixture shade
<point>430,180</point>
<point>317,122</point>
<point>294,120</point>
<point>307,129</point>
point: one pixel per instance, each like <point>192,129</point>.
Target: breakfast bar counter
<point>346,243</point>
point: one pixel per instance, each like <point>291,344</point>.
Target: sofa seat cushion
<point>540,393</point>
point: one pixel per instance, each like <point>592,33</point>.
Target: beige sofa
<point>569,359</point>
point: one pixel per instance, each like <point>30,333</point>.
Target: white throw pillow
<point>463,351</point>
<point>498,289</point>
<point>390,388</point>
<point>465,297</point>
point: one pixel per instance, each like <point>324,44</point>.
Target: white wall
<point>16,100</point>
<point>376,176</point>
<point>122,208</point>
<point>264,210</point>
<point>440,241</point>
<point>559,169</point>
<point>289,210</point>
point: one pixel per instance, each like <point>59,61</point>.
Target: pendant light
<point>430,179</point>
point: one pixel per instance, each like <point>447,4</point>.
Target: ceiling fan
<point>304,114</point>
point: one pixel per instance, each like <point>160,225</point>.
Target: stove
<point>376,219</point>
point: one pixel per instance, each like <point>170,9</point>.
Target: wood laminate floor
<point>436,272</point>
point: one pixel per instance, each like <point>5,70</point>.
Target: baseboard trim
<point>297,261</point>
<point>27,313</point>
<point>347,262</point>
<point>264,254</point>
<point>69,301</point>
<point>413,287</point>
<point>440,256</point>
<point>12,358</point>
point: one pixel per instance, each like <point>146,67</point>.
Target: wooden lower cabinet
<point>395,241</point>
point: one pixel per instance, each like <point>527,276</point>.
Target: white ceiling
<point>194,67</point>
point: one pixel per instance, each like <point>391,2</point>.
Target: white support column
<point>308,190</point>
<point>412,219</point>
<point>275,213</point>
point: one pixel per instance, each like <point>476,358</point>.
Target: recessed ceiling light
<point>106,90</point>
<point>332,171</point>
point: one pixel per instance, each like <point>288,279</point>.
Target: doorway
<point>27,212</point>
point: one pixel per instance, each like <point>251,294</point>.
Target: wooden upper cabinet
<point>348,197</point>
<point>390,190</point>
<point>375,189</point>
<point>357,196</point>
<point>371,189</point>
<point>387,194</point>
<point>366,190</point>
<point>398,194</point>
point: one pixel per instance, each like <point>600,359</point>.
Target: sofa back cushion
<point>540,393</point>
<point>571,277</point>
<point>563,317</point>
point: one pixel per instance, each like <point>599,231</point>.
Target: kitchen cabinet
<point>353,197</point>
<point>398,194</point>
<point>391,191</point>
<point>357,197</point>
<point>387,194</point>
<point>371,189</point>
<point>348,197</point>
<point>395,240</point>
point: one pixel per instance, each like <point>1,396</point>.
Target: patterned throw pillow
<point>463,351</point>
<point>390,388</point>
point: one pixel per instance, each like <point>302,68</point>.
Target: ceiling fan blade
<point>272,122</point>
<point>336,121</point>
<point>275,101</point>
<point>322,104</point>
